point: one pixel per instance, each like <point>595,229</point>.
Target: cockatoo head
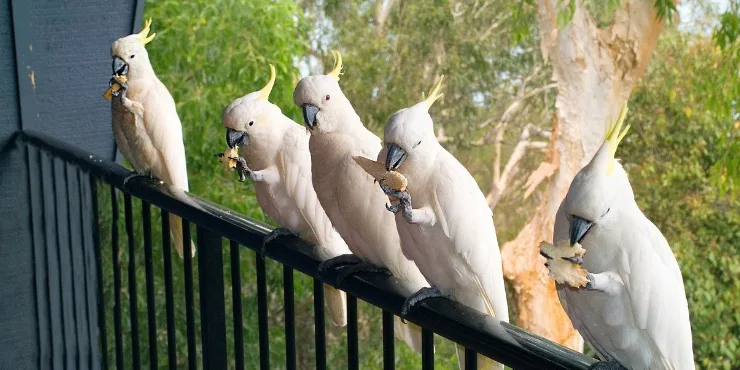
<point>322,101</point>
<point>130,58</point>
<point>253,117</point>
<point>410,130</point>
<point>599,187</point>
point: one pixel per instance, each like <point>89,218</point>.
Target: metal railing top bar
<point>484,334</point>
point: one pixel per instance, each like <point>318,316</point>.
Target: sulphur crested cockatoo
<point>447,229</point>
<point>347,193</point>
<point>276,158</point>
<point>146,127</point>
<point>632,306</point>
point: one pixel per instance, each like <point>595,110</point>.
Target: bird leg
<point>135,174</point>
<point>415,298</point>
<point>404,201</point>
<point>607,365</point>
<point>274,234</point>
<point>242,169</point>
<point>269,175</point>
<point>348,265</point>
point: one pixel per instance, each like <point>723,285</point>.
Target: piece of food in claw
<point>114,87</point>
<point>393,179</point>
<point>564,271</point>
<point>228,157</point>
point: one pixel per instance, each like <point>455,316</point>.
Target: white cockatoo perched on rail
<point>447,229</point>
<point>147,129</point>
<point>623,289</point>
<point>347,193</point>
<point>276,158</point>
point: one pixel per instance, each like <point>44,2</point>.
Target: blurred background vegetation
<point>682,154</point>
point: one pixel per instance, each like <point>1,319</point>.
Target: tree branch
<point>382,10</point>
<point>501,181</point>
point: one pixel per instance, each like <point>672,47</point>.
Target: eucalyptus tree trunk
<point>595,70</point>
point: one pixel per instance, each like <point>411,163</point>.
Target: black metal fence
<point>69,183</point>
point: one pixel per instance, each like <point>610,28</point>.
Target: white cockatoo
<point>632,308</point>
<point>276,158</point>
<point>447,227</point>
<point>146,127</point>
<point>347,193</point>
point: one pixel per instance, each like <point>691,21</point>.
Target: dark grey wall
<point>17,319</point>
<point>54,67</point>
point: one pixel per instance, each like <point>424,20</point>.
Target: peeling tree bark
<point>595,70</point>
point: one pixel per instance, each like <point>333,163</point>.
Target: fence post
<point>212,311</point>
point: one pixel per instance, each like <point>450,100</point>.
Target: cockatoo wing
<point>464,216</point>
<point>655,286</point>
<point>165,131</point>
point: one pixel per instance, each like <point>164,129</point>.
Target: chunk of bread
<point>564,271</point>
<point>393,179</point>
<point>114,87</point>
<point>228,157</point>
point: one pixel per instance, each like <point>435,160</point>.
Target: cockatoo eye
<point>417,144</point>
<point>327,98</point>
<point>251,123</point>
<point>132,56</point>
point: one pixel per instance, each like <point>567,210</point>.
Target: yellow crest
<point>337,65</point>
<point>434,94</point>
<point>142,37</point>
<point>614,135</point>
<point>265,92</point>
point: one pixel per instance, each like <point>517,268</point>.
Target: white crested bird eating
<point>347,193</point>
<point>628,299</point>
<point>442,217</point>
<point>277,160</point>
<point>145,123</point>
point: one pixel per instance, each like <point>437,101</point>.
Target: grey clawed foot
<point>242,168</point>
<point>415,298</point>
<point>133,175</point>
<point>607,365</point>
<point>124,86</point>
<point>348,265</point>
<point>274,234</point>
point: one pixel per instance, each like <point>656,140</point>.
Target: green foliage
<point>674,143</point>
<point>683,115</point>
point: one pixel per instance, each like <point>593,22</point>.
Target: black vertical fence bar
<point>169,299</point>
<point>132,294</point>
<point>146,218</point>
<point>87,227</point>
<point>471,359</point>
<point>264,340</point>
<point>116,278</point>
<point>52,268</point>
<point>189,299</point>
<point>35,185</point>
<point>80,266</point>
<point>99,273</point>
<point>353,353</point>
<point>389,353</point>
<point>213,311</point>
<point>427,349</point>
<point>289,305</point>
<point>77,264</point>
<point>319,328</point>
<point>64,262</point>
<point>236,300</point>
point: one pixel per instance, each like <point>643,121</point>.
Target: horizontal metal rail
<point>477,332</point>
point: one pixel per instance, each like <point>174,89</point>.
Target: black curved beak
<point>309,115</point>
<point>395,157</point>
<point>578,229</point>
<point>119,67</point>
<point>236,138</point>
